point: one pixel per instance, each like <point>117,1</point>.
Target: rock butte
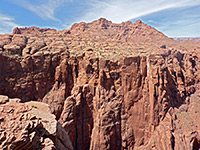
<point>105,85</point>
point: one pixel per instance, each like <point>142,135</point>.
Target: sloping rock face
<point>30,126</point>
<point>110,86</point>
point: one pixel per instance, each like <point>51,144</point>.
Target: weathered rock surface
<point>31,126</point>
<point>179,129</point>
<point>110,86</point>
<point>125,102</point>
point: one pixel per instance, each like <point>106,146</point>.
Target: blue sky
<point>175,18</point>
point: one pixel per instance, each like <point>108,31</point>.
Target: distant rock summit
<point>103,29</point>
<point>99,86</point>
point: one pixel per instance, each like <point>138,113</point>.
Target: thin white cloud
<point>124,10</point>
<point>44,9</point>
<point>178,22</point>
<point>7,23</point>
<point>182,27</point>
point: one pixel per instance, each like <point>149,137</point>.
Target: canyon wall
<point>103,100</point>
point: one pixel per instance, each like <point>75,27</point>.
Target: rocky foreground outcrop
<point>30,126</point>
<point>110,86</point>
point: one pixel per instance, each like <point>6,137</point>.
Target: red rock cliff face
<point>104,98</point>
<point>31,76</point>
<point>125,102</point>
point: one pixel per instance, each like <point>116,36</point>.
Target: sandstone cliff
<point>110,86</point>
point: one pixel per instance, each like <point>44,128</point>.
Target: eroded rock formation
<point>110,86</point>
